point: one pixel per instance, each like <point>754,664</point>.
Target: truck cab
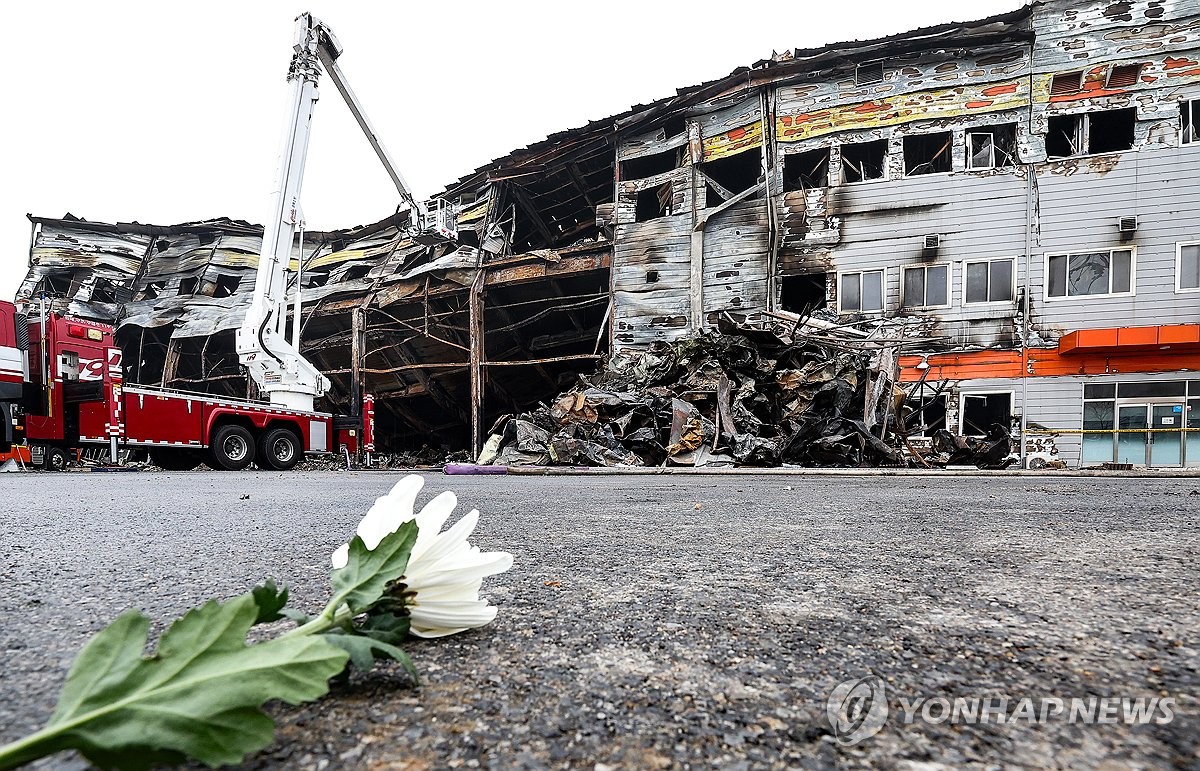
<point>14,369</point>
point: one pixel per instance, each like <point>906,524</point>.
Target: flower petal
<point>340,556</point>
<point>431,519</point>
<point>450,543</point>
<point>437,619</point>
<point>390,511</point>
<point>480,565</point>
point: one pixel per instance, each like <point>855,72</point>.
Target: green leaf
<point>385,627</point>
<point>270,601</point>
<point>368,572</point>
<point>365,650</point>
<point>199,695</point>
<point>299,616</point>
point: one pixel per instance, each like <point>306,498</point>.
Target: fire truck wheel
<point>232,448</point>
<point>169,459</point>
<point>278,449</point>
<point>55,460</point>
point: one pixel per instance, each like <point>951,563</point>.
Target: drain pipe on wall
<point>1030,209</point>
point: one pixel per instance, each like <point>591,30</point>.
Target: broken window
<point>1187,268</point>
<point>864,161</point>
<point>807,170</point>
<point>152,290</point>
<point>187,286</point>
<point>161,245</point>
<point>925,414</point>
<point>926,286</point>
<point>1124,75</point>
<point>1066,83</point>
<point>355,272</point>
<point>652,165</point>
<point>982,411</point>
<point>1111,131</point>
<point>802,294</point>
<point>675,126</point>
<point>104,291</point>
<point>1090,273</point>
<point>226,285</point>
<point>1106,131</point>
<point>861,292</point>
<point>992,147</point>
<point>866,74</point>
<point>1190,115</point>
<point>989,281</point>
<point>927,153</point>
<point>55,286</point>
<point>653,203</point>
<point>726,177</point>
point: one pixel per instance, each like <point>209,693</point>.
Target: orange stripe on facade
<point>1086,352</point>
<point>1042,363</point>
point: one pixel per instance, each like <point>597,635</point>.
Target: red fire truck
<point>13,367</point>
<point>74,397</point>
<point>65,373</point>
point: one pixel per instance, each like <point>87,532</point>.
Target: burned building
<point>1010,201</point>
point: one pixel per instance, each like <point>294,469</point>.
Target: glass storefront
<point>1146,423</point>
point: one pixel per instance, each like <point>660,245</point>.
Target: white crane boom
<point>276,365</point>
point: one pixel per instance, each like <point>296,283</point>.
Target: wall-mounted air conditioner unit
<point>932,241</point>
<point>1127,224</point>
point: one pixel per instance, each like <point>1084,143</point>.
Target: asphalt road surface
<point>663,621</point>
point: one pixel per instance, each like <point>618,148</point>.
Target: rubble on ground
<point>993,451</point>
<point>737,396</point>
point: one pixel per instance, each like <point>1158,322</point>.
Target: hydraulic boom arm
<point>276,365</point>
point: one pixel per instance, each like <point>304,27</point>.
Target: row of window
<point>988,147</point>
<point>928,286</point>
<point>1075,274</point>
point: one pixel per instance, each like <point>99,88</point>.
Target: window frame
<point>883,279</point>
<point>989,130</point>
<point>1133,261</point>
<point>884,166</point>
<point>1085,135</point>
<point>1012,287</point>
<point>950,153</point>
<point>962,406</point>
<point>1179,266</point>
<point>1193,108</point>
<point>949,266</point>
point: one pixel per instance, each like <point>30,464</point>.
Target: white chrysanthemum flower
<point>445,572</point>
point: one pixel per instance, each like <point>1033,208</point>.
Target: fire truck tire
<point>231,448</point>
<point>169,459</point>
<point>279,450</point>
<point>55,459</point>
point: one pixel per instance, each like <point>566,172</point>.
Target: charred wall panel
<point>1081,202</point>
<point>735,260</point>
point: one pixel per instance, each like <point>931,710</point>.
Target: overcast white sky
<point>166,112</point>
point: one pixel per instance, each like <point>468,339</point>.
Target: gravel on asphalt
<point>659,622</point>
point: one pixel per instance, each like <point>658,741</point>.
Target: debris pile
<point>740,396</point>
<point>993,451</point>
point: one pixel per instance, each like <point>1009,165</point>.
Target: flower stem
<point>327,619</point>
<point>36,745</point>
